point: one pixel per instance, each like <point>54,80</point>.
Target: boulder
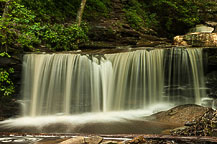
<point>202,28</point>
<point>197,39</point>
<point>179,40</point>
<point>180,115</point>
<point>212,24</point>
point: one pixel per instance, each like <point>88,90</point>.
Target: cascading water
<point>184,76</point>
<point>76,83</point>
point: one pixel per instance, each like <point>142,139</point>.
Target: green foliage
<point>6,85</point>
<point>18,28</point>
<point>53,10</point>
<point>63,37</point>
<point>134,19</point>
<point>21,30</point>
<point>66,10</point>
<point>169,17</point>
<point>4,54</point>
<point>174,16</point>
<point>138,16</point>
<point>97,8</point>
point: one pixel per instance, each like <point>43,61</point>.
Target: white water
<point>75,84</point>
<point>118,122</point>
<point>79,119</point>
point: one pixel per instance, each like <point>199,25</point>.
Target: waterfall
<point>184,75</point>
<point>78,83</point>
<point>137,79</point>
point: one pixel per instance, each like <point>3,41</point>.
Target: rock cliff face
<point>114,31</point>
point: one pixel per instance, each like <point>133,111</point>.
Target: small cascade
<point>184,75</point>
<point>78,83</point>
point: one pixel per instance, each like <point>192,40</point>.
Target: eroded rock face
<point>111,37</point>
<point>197,40</point>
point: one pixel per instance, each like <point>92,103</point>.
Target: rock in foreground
<point>180,115</point>
<point>202,126</point>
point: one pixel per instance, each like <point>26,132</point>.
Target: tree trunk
<point>80,12</point>
<point>5,12</point>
